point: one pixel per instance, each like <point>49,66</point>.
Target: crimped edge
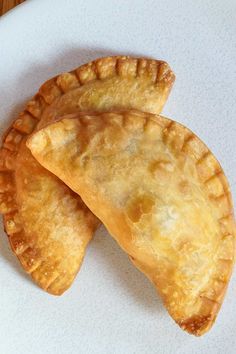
<point>99,69</point>
<point>182,140</point>
<point>209,170</point>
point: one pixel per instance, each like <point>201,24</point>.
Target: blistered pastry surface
<point>163,196</point>
<point>48,225</point>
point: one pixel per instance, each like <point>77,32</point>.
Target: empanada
<point>48,225</point>
<point>161,194</point>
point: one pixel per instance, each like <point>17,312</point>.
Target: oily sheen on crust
<point>47,224</point>
<point>161,194</point>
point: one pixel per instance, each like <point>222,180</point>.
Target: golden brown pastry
<point>161,194</point>
<point>48,225</point>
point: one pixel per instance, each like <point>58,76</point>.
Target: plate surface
<point>111,307</point>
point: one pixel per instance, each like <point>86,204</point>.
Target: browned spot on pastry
<point>13,140</point>
<point>33,266</point>
<point>196,325</point>
<point>220,280</point>
<point>205,298</point>
<point>6,182</point>
<point>18,243</point>
<point>7,203</point>
<point>30,259</point>
<point>223,202</point>
<point>216,187</point>
<point>12,223</point>
<point>139,206</point>
<point>154,70</point>
<point>207,165</point>
<point>52,281</point>
<point>147,67</point>
<point>141,66</point>
<point>45,274</point>
<point>226,217</point>
<point>165,73</point>
<point>227,224</point>
<point>175,136</point>
<point>86,73</point>
<point>215,175</point>
<point>25,123</point>
<point>7,159</point>
<point>36,106</point>
<point>106,67</point>
<point>159,166</point>
<point>187,140</point>
<point>203,157</point>
<point>126,67</point>
<point>67,82</point>
<point>193,146</point>
<point>50,91</point>
<point>218,197</point>
<point>184,187</point>
<point>131,257</point>
<point>167,129</point>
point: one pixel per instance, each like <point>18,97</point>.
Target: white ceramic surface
<point>111,307</point>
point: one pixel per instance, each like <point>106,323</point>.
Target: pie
<point>161,194</point>
<point>48,225</point>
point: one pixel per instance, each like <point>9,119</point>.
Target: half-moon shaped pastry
<point>48,225</point>
<point>161,194</point>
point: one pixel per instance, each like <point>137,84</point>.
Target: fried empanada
<point>48,225</point>
<point>162,195</point>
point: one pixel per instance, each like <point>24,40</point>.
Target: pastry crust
<point>47,224</point>
<point>162,195</point>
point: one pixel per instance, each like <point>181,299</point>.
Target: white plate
<point>111,307</point>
